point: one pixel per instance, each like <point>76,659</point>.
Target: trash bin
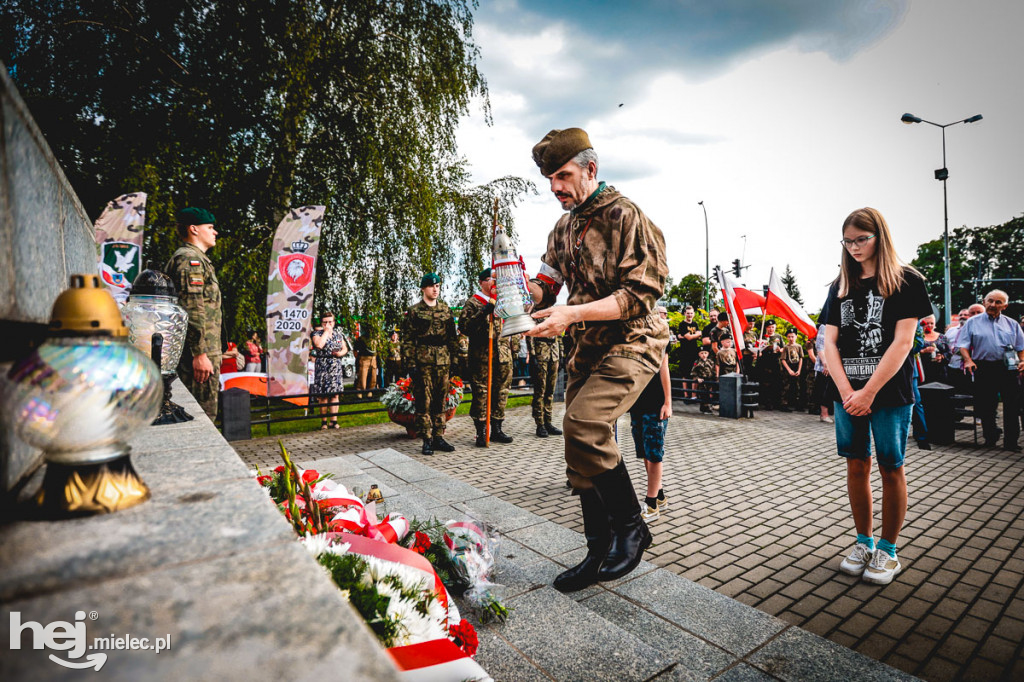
<point>939,416</point>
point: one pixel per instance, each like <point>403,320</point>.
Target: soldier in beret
<point>199,294</point>
<point>612,259</point>
<point>476,323</point>
<point>428,344</point>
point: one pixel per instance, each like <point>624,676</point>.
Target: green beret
<point>484,274</point>
<point>558,148</point>
<point>429,280</point>
<point>195,216</point>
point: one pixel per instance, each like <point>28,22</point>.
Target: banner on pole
<point>119,232</point>
<point>290,299</point>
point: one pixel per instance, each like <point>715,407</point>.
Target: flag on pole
<point>737,320</point>
<point>746,300</point>
<point>778,303</point>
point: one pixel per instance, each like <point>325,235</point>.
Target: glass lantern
<point>152,310</point>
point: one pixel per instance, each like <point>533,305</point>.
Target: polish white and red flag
<point>779,304</point>
<point>738,301</point>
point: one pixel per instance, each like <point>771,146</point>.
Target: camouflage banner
<point>290,299</point>
<point>119,232</point>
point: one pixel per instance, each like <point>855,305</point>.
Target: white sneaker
<point>857,561</point>
<point>649,513</point>
<point>827,420</point>
<point>882,569</point>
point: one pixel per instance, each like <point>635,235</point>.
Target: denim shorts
<point>888,427</point>
<point>648,436</point>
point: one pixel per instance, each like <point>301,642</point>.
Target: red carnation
<point>310,475</point>
<point>279,470</point>
<point>422,543</point>
<point>264,479</point>
<point>464,636</point>
<point>407,396</point>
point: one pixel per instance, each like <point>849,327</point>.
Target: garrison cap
<point>484,274</point>
<point>429,280</point>
<point>194,215</point>
<point>558,148</point>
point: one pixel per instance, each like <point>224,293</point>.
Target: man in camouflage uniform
<point>612,258</point>
<point>199,294</point>
<point>428,340</point>
<point>477,323</point>
<point>791,365</point>
<point>393,363</point>
<point>545,357</point>
<point>704,370</point>
<point>365,349</point>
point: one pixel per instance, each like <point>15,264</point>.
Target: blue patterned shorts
<point>648,436</point>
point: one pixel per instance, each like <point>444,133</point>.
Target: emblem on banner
<point>120,262</point>
<point>296,270</point>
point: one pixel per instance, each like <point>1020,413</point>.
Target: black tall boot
<point>481,433</point>
<point>426,449</point>
<point>497,435</point>
<point>598,534</point>
<point>630,536</point>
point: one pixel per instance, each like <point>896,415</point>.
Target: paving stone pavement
<point>758,512</point>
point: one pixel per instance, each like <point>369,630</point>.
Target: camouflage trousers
<point>501,379</point>
<point>792,389</point>
<point>205,393</point>
<point>545,373</point>
<point>429,389</point>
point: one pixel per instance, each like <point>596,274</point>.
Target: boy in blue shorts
<point>648,419</point>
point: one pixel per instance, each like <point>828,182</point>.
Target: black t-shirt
<point>651,400</point>
<point>706,332</point>
<point>867,327</point>
<point>689,328</point>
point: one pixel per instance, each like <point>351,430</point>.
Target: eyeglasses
<point>859,241</point>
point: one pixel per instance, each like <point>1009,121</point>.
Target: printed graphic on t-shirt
<point>867,325</point>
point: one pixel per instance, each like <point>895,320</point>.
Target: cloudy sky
<point>783,116</point>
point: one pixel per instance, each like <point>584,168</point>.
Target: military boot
<point>427,449</point>
<point>598,534</point>
<point>441,444</point>
<point>630,535</point>
<point>541,431</point>
<point>550,428</point>
<point>497,435</point>
<point>481,434</point>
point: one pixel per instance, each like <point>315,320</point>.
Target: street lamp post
<point>707,259</point>
<point>943,174</point>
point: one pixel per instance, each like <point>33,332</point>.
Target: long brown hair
<point>889,269</point>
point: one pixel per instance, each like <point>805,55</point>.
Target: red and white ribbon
<point>438,660</point>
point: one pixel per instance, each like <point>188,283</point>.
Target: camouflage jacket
<point>428,335</point>
<point>393,351</point>
<point>703,369</point>
<point>473,323</point>
<point>608,247</point>
<point>543,349</point>
<point>199,294</point>
<point>727,360</point>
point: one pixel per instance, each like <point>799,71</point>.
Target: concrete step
<point>651,624</point>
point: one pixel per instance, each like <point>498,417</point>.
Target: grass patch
<point>345,420</point>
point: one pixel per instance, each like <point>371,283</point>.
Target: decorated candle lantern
<point>78,397</point>
<point>513,292</point>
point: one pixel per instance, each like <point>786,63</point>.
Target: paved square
<point>758,512</point>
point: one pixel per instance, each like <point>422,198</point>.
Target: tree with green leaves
<point>789,281</point>
<point>992,254</point>
<point>689,291</point>
<point>249,108</point>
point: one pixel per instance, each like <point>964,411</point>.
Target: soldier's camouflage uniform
<point>768,371</point>
<point>606,247</point>
<point>791,385</point>
<point>428,342</point>
<point>545,356</point>
<point>393,363</point>
<point>199,294</point>
<point>473,322</point>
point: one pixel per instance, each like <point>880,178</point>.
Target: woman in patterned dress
<point>327,373</point>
